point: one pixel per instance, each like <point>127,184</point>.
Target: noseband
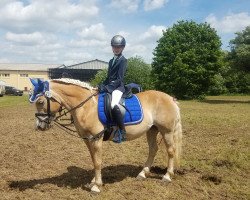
<point>45,117</point>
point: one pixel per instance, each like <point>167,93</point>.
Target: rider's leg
<point>116,97</point>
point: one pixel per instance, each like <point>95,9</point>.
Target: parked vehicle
<point>13,91</point>
<point>2,90</point>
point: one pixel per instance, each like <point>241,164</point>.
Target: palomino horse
<point>161,115</point>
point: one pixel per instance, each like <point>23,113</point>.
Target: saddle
<point>129,105</point>
<point>107,106</point>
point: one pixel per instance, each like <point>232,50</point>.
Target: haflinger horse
<point>161,115</point>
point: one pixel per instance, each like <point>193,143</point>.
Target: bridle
<point>48,117</point>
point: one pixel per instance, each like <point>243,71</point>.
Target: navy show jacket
<point>116,73</point>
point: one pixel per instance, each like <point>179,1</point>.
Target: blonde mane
<point>74,82</point>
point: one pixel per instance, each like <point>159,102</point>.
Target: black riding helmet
<point>118,41</point>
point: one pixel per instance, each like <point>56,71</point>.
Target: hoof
<point>95,190</point>
<point>141,176</point>
<point>89,185</point>
<point>166,179</point>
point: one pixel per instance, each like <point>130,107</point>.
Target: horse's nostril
<point>41,128</point>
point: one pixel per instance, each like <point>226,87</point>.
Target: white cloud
<point>123,33</point>
<point>142,44</point>
<point>49,58</point>
<point>4,2</point>
<point>138,49</point>
<point>76,57</point>
<point>230,23</point>
<point>153,33</point>
<point>125,5</point>
<point>95,31</point>
<point>46,15</point>
<point>91,36</point>
<point>31,39</point>
<point>128,6</point>
<point>32,53</point>
<point>154,4</point>
<point>4,60</point>
<point>87,43</point>
<point>35,38</point>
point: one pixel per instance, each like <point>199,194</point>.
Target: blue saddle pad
<point>134,116</point>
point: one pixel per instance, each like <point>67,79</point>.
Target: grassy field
<point>52,165</point>
<point>7,101</point>
<point>216,144</point>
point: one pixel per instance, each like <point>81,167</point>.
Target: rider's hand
<point>101,88</point>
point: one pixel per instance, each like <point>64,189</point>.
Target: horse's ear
<point>39,81</point>
<point>33,81</point>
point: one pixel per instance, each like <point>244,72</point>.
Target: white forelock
<point>74,82</point>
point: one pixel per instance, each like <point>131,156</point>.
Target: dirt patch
<point>183,171</point>
<point>212,178</point>
<point>222,163</point>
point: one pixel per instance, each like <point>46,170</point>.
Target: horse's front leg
<point>95,148</point>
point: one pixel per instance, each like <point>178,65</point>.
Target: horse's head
<point>46,104</point>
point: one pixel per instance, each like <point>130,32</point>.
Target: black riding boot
<point>117,116</point>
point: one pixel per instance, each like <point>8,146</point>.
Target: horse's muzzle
<point>43,123</point>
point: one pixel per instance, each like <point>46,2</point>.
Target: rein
<point>48,115</point>
<point>78,106</point>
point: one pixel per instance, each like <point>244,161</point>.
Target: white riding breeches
<point>116,97</point>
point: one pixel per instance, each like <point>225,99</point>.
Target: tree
<point>238,77</point>
<point>186,59</point>
<point>99,77</point>
<point>240,50</point>
<point>218,82</point>
<point>137,72</point>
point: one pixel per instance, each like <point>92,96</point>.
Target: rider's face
<point>117,49</point>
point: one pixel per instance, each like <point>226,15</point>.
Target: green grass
<point>216,143</point>
<point>8,101</point>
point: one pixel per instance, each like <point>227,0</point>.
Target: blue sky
<point>73,31</point>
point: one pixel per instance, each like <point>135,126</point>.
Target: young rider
<point>114,82</point>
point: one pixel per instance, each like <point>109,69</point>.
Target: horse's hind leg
<point>168,139</point>
<point>153,148</point>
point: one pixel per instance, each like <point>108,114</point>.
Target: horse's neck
<point>70,95</point>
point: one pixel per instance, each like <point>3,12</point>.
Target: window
<point>5,75</point>
<point>24,75</point>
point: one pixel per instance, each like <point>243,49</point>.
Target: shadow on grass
<point>221,101</point>
<point>77,177</point>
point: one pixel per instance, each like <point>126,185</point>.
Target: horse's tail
<point>178,137</point>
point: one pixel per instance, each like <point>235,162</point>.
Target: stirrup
<point>119,136</point>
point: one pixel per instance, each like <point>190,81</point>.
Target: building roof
<point>27,66</point>
<point>92,64</point>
